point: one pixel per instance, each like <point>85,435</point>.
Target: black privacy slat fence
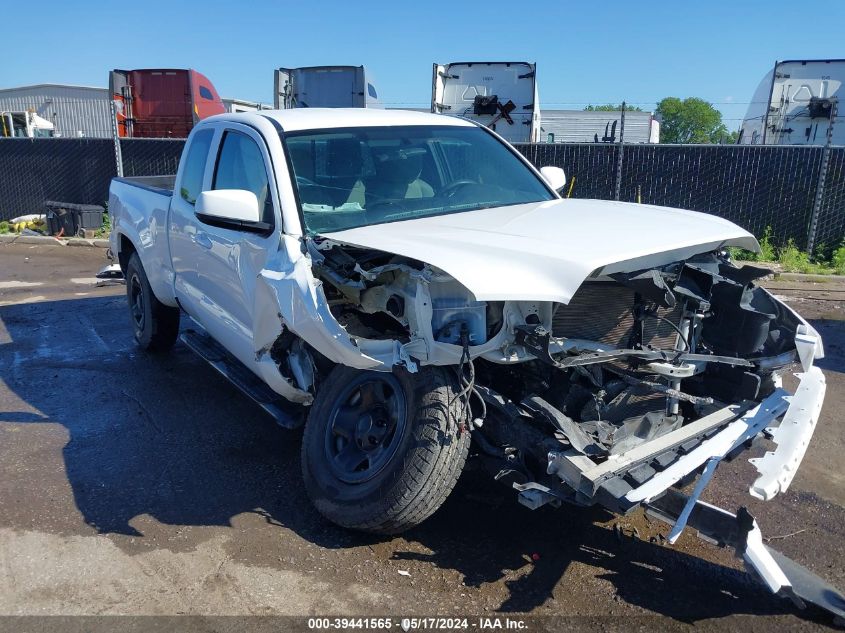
<point>759,187</point>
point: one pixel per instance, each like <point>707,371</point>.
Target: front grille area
<point>601,311</point>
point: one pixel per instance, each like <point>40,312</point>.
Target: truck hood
<point>544,251</point>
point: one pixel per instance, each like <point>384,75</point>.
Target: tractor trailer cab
<point>162,103</point>
<point>324,87</point>
<point>798,102</point>
<point>499,95</point>
<point>25,125</point>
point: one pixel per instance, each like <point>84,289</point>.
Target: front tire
<point>155,325</point>
<point>381,451</point>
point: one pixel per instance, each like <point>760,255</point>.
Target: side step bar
<point>286,414</point>
<point>782,576</point>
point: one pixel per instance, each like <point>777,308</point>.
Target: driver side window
<point>240,165</point>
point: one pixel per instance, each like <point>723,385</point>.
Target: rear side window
<point>205,93</point>
<point>195,166</point>
<point>240,165</point>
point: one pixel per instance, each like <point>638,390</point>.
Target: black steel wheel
<point>366,424</point>
<point>137,307</point>
<point>154,324</point>
<point>381,451</point>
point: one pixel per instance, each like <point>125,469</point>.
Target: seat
<point>397,177</point>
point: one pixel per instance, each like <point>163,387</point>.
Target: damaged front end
<point>644,381</point>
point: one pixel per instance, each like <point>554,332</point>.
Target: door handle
<point>201,239</point>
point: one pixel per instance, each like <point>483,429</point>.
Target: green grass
<point>792,259</point>
<point>104,230</point>
<point>4,228</point>
<point>837,260</point>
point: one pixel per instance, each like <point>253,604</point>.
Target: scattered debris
<point>403,572</point>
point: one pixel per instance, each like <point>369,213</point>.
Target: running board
<point>286,414</point>
<point>783,576</point>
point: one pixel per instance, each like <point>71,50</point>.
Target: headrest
<point>399,165</point>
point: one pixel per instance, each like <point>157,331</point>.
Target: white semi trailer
<point>797,103</point>
<point>499,95</point>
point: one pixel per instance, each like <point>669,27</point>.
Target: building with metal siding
<point>590,126</point>
<point>76,111</point>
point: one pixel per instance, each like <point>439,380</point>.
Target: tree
<point>692,120</point>
<point>609,107</point>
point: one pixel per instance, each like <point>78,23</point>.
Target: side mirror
<point>554,176</point>
<point>236,205</point>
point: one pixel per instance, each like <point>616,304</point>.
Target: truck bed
<point>160,184</point>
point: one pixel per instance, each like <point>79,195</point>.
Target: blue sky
<point>587,52</point>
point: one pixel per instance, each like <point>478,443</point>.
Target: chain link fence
<point>830,228</point>
<point>758,187</point>
<point>150,156</point>
<point>76,170</point>
<point>33,171</point>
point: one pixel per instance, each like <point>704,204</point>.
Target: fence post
<point>618,185</point>
<point>817,201</point>
<point>118,155</point>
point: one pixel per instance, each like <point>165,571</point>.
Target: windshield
<point>354,177</point>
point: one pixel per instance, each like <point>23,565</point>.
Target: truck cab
<point>25,124</point>
<point>500,95</point>
<point>798,102</point>
<point>324,87</point>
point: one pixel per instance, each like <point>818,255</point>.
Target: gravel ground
<point>136,484</point>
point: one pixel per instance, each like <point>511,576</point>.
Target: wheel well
<point>125,252</point>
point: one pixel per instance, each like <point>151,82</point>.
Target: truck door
<point>228,260</point>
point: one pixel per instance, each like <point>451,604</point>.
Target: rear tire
<point>155,325</point>
<point>381,452</point>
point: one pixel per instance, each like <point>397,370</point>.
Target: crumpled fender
<point>288,296</point>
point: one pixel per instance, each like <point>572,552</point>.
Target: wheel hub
<point>136,303</point>
<point>365,427</point>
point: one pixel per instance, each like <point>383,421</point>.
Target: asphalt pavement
<point>138,484</point>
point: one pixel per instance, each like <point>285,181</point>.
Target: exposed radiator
<point>601,311</point>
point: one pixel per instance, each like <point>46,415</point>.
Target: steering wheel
<point>452,188</point>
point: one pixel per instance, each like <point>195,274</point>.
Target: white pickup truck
<point>410,288</point>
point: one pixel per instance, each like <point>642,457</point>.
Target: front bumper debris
<point>777,468</point>
<point>643,473</point>
<point>782,576</point>
<point>645,476</point>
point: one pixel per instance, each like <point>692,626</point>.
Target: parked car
<point>410,288</point>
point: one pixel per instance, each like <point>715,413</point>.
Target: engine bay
<point>632,357</point>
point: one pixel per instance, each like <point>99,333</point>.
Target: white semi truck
<point>323,87</point>
<point>25,125</point>
<point>798,102</point>
<point>499,95</point>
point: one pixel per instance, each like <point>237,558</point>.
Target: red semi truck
<point>162,102</point>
